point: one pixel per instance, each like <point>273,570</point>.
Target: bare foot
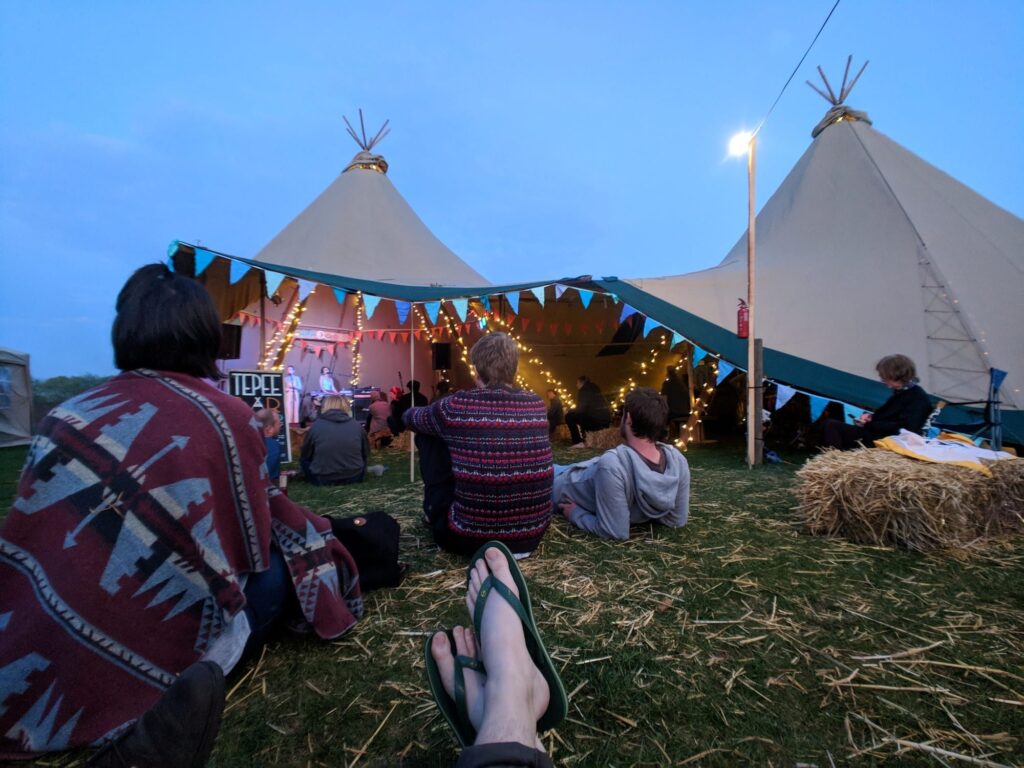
<point>516,695</point>
<point>465,645</point>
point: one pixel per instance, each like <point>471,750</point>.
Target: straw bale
<point>561,434</point>
<point>401,442</point>
<point>603,439</point>
<point>873,496</point>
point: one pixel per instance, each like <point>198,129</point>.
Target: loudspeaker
<point>230,342</point>
<point>441,355</point>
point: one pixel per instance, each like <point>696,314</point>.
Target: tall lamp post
<point>745,143</point>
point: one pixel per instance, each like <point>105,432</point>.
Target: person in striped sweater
<point>485,457</point>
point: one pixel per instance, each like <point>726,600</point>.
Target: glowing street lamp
<point>745,143</point>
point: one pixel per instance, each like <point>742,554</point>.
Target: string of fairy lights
<point>490,322</point>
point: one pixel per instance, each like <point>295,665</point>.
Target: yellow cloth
<point>947,448</point>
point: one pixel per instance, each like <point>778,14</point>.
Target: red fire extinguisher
<point>742,320</point>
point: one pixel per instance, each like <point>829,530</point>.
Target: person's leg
<point>438,480</point>
<point>268,596</point>
<point>307,471</point>
<point>572,420</point>
<point>843,436</point>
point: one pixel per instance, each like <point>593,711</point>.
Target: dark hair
<point>648,411</point>
<point>413,385</point>
<point>897,368</point>
<point>167,322</point>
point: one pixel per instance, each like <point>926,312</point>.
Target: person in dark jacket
<point>402,404</point>
<point>556,411</point>
<point>336,447</point>
<point>907,408</point>
<point>591,411</point>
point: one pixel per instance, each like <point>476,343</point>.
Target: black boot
<point>180,729</point>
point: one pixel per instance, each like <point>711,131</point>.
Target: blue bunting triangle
<point>818,405</point>
<point>238,271</point>
<point>539,293</point>
<point>724,369</point>
<point>783,395</point>
<point>677,338</point>
<point>461,306</point>
<point>402,310</point>
<point>486,301</point>
<point>626,312</point>
<point>339,293</point>
<point>585,297</point>
<point>273,281</point>
<point>698,355</point>
<point>559,290</point>
<point>650,324</point>
<point>370,305</point>
<point>433,309</point>
<point>203,259</point>
<point>171,250</point>
<point>305,288</point>
<point>513,300</point>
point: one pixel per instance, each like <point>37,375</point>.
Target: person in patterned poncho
<point>485,457</point>
<point>144,538</point>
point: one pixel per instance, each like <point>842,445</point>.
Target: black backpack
<point>372,540</point>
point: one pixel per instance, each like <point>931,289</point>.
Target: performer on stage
<point>327,380</point>
<point>292,394</point>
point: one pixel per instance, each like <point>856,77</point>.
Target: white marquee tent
<point>15,399</point>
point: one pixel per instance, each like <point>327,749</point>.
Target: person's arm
<point>426,419</point>
<point>611,521</point>
<point>681,513</point>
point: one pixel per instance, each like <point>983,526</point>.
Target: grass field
<point>733,641</point>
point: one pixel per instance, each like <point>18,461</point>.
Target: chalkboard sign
<point>263,389</point>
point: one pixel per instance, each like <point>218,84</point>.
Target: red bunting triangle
<point>599,324</point>
<point>331,348</point>
<point>568,329</point>
<point>317,349</point>
<point>553,328</point>
<point>405,337</point>
<point>525,321</point>
<point>302,345</point>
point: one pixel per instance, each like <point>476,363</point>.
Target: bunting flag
<point>171,250</point>
<point>405,336</point>
<point>599,325</point>
<point>553,328</point>
<point>698,355</point>
<point>724,369</point>
<point>559,290</point>
<point>461,306</point>
<point>331,348</point>
<point>676,339</point>
<point>273,282</point>
<point>317,350</point>
<point>432,308</point>
<point>513,301</point>
<point>418,335</point>
<point>339,293</point>
<point>303,345</point>
<point>585,297</point>
<point>818,405</point>
<point>851,413</point>
<point>539,293</point>
<point>525,322</point>
<point>370,305</point>
<point>305,288</point>
<point>626,312</point>
<point>238,270</point>
<point>783,395</point>
<point>486,302</point>
<point>650,324</point>
<point>567,327</point>
<point>203,259</point>
<point>402,309</point>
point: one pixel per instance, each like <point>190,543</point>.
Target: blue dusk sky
<point>537,140</point>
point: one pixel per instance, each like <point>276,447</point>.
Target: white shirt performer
<point>640,482</point>
<point>327,380</point>
<point>292,395</point>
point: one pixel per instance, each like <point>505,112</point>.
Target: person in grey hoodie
<point>336,447</point>
<point>642,481</point>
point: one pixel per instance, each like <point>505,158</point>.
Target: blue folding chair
<point>990,424</point>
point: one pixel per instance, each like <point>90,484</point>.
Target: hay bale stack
<point>603,439</point>
<point>873,496</point>
<point>561,434</point>
<point>401,442</point>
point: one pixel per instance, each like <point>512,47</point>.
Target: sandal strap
<point>459,688</point>
<point>492,583</point>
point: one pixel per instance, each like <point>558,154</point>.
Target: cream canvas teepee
<point>865,250</point>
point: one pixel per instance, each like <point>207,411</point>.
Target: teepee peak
<point>365,158</point>
<point>838,112</point>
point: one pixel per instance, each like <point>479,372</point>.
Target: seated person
<point>270,426</point>
<point>643,481</point>
<point>379,433</point>
<point>402,403</point>
<point>556,413</point>
<point>442,389</point>
<point>145,544</point>
<point>485,457</point>
<point>677,394</point>
<point>591,411</point>
<point>907,408</point>
<point>336,448</point>
<point>327,380</point>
